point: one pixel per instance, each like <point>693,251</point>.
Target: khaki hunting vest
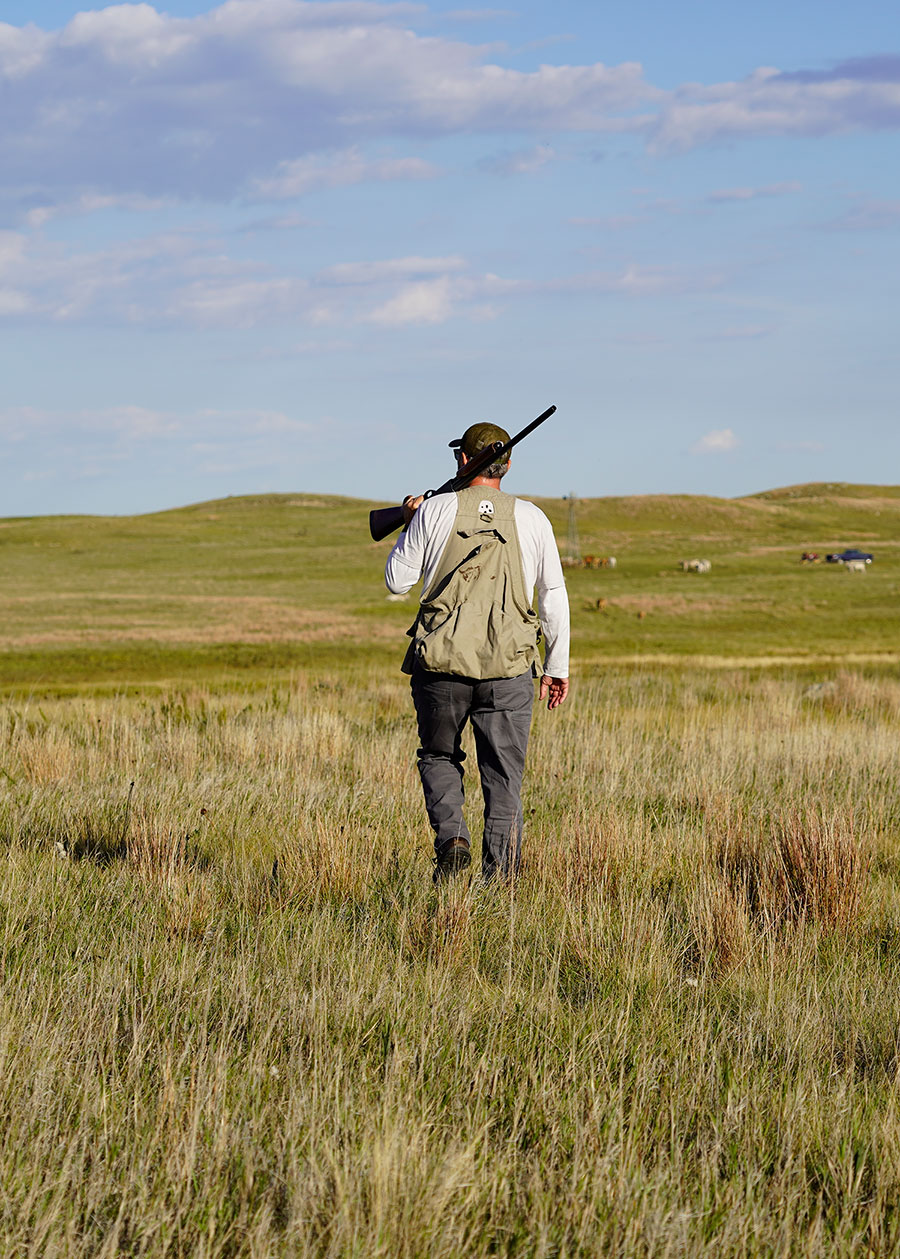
<point>474,619</point>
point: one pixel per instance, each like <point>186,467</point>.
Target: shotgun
<point>384,521</point>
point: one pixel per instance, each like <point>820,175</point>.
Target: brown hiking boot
<point>453,857</point>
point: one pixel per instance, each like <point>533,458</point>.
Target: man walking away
<point>474,650</point>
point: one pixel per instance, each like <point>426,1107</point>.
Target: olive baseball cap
<point>477,436</point>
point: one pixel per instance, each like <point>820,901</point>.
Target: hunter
<point>474,650</point>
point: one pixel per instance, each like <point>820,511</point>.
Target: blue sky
<point>276,245</point>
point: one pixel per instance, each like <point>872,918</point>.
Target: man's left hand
<point>554,690</point>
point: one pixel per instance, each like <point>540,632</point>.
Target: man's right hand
<point>411,505</point>
<point>554,690</point>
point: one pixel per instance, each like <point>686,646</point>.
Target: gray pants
<point>500,712</point>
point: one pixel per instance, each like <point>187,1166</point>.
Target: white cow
<point>855,566</point>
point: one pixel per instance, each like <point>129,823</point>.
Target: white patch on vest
<point>486,509</point>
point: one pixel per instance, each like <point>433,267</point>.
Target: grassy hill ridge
<point>258,584</point>
<point>831,490</point>
<point>841,506</point>
<point>796,515</point>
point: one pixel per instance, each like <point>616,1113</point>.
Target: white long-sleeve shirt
<point>419,548</point>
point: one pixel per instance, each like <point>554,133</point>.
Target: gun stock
<point>384,521</point>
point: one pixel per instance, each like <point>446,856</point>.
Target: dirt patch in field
<point>680,605</point>
<point>196,619</point>
<point>874,503</point>
<point>741,662</point>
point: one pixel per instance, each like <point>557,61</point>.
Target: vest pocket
<point>476,642</point>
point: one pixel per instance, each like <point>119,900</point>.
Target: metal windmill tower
<point>573,546</point>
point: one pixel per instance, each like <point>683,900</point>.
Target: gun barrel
<point>384,521</point>
<point>529,428</point>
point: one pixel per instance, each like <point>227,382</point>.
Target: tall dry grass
<point>237,1020</point>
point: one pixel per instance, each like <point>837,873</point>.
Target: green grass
<point>253,586</point>
<point>237,1020</point>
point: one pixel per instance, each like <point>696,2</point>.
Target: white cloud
<point>428,302</point>
<point>90,202</point>
<point>13,302</point>
<point>443,288</point>
<point>236,303</point>
<point>132,35</point>
<point>639,280</point>
<point>415,290</point>
<point>22,49</point>
<point>396,292</point>
<point>339,170</point>
<point>717,442</point>
<point>190,278</point>
<point>173,277</point>
<point>12,249</point>
<point>860,94</point>
<point>273,98</point>
<point>236,100</point>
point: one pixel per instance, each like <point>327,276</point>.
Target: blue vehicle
<point>841,557</point>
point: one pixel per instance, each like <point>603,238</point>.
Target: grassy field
<point>237,1020</point>
<point>250,587</point>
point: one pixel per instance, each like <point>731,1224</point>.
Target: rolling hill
<point>247,587</point>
